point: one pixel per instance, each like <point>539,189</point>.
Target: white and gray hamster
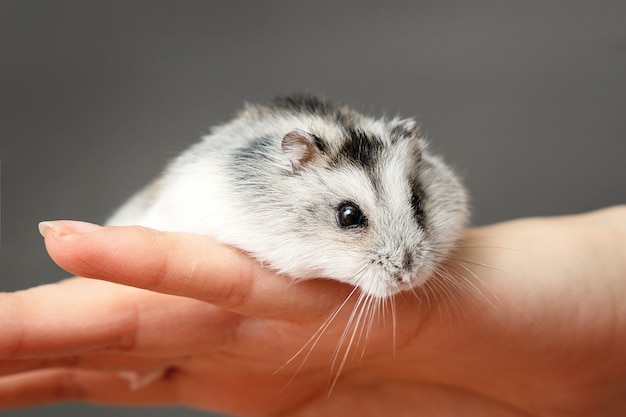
<point>313,189</point>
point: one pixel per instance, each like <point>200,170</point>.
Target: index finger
<point>187,265</point>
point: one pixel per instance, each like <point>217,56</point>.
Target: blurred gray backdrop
<point>526,99</point>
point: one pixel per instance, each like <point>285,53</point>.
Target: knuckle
<point>236,289</point>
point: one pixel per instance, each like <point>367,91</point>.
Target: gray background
<point>526,99</point>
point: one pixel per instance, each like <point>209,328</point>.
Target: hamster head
<point>363,200</point>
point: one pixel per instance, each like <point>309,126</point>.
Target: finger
<point>60,385</point>
<point>172,387</point>
<point>188,265</point>
<point>113,362</point>
<point>80,316</point>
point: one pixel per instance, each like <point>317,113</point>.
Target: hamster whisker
<point>394,323</point>
<point>469,283</point>
<point>352,323</point>
<point>489,289</point>
<point>465,262</point>
<point>353,332</point>
<point>426,290</point>
<point>463,243</point>
<point>440,283</point>
<point>374,308</point>
<point>356,333</point>
<point>459,283</point>
<point>315,338</point>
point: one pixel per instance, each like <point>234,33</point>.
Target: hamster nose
<point>403,279</point>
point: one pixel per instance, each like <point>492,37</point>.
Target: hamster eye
<point>349,215</point>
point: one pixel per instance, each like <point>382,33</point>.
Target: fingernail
<point>44,226</point>
<point>65,227</point>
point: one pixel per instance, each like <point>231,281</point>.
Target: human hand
<point>526,319</point>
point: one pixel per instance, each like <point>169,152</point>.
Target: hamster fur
<point>313,189</point>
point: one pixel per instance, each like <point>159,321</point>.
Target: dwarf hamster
<point>314,189</point>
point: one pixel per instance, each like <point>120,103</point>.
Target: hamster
<point>314,190</point>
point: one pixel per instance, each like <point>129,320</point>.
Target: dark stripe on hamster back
<point>361,149</point>
<point>417,201</point>
<point>310,104</point>
<point>305,103</point>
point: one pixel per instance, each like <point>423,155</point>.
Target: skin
<point>535,326</point>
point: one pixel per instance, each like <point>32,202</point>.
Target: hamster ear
<point>299,146</point>
<point>405,129</point>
